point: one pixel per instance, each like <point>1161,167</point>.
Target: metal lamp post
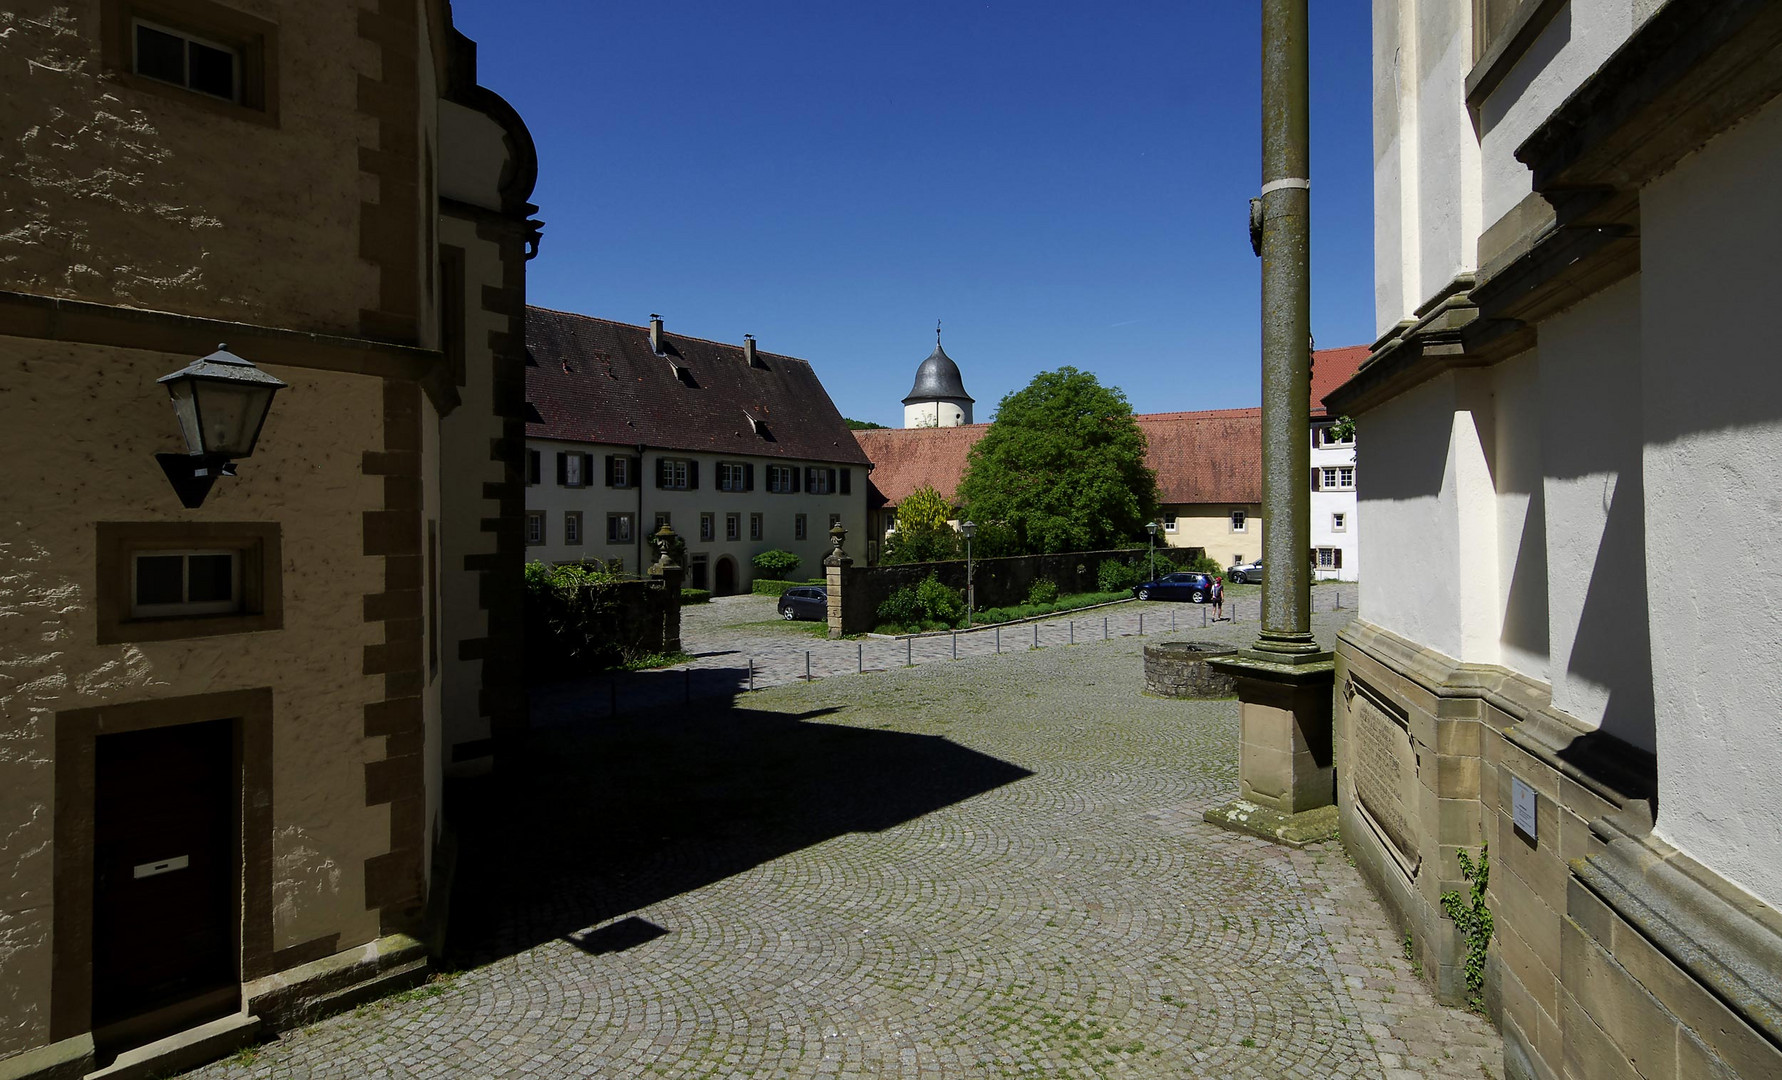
<point>221,402</point>
<point>970,529</point>
<point>1151,559</point>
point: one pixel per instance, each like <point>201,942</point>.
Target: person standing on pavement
<point>1218,597</point>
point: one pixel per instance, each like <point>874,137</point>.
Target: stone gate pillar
<point>836,562</point>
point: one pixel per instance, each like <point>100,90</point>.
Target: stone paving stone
<point>988,868</point>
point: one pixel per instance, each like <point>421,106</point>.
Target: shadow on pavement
<point>598,817</point>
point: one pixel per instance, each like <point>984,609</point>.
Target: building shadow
<point>597,817</point>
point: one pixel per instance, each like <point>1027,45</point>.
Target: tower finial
<point>937,323</point>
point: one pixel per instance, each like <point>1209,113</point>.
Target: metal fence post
<point>1141,624</point>
<point>909,652</point>
<point>955,644</point>
<point>1073,631</point>
<point>807,665</point>
<point>1104,628</point>
<point>999,641</point>
<point>859,658</point>
<point>751,673</point>
<point>1036,635</point>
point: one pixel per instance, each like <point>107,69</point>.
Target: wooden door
<point>165,913</point>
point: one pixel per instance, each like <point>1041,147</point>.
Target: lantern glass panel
<point>229,415</point>
<point>185,408</point>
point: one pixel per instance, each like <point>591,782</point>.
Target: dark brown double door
<point>165,880</point>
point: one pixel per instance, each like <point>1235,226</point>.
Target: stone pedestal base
<point>1294,830</point>
<point>1286,769</point>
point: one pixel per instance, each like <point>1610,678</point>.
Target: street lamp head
<point>1151,527</point>
<point>221,401</point>
<point>969,528</point>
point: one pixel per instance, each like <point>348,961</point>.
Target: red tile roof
<point>1205,457</point>
<point>905,459</point>
<point>1332,368</point>
<point>1200,457</point>
<point>598,381</point>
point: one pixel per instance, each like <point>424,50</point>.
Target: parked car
<point>1192,587</point>
<point>805,602</point>
<point>1245,573</point>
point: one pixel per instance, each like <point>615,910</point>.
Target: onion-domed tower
<point>938,399</point>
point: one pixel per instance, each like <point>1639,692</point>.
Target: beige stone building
<point>736,449</point>
<point>1569,433</point>
<point>223,726</point>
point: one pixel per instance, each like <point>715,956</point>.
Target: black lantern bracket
<point>221,402</point>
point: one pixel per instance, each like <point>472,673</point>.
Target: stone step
<point>184,1050</point>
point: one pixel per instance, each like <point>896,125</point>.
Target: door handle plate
<point>150,869</point>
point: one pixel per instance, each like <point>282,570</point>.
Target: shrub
<point>695,596</point>
<point>922,543</point>
<point>940,603</point>
<point>775,564</point>
<point>771,587</point>
<point>571,613</point>
<point>1042,591</point>
<point>901,607</point>
<point>1206,565</point>
<point>1113,575</point>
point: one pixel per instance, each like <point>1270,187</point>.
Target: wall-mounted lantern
<point>221,402</point>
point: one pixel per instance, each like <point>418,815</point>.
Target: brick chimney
<point>749,350</point>
<point>656,334</point>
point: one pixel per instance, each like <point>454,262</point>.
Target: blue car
<point>805,602</point>
<point>1192,587</point>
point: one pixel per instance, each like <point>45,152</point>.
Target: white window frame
<point>572,526</point>
<point>1339,522</point>
<point>708,528</point>
<point>1240,521</point>
<point>179,608</point>
<point>756,527</point>
<point>1327,558</point>
<point>1325,439</point>
<point>572,471</point>
<point>732,527</point>
<point>621,534</point>
<point>621,471</point>
<point>535,528</point>
<point>818,482</point>
<point>779,479</point>
<point>675,472</point>
<point>235,55</point>
<point>731,477</point>
<point>1345,477</point>
<point>1169,523</point>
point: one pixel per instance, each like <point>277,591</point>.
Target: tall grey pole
<point>1286,332</point>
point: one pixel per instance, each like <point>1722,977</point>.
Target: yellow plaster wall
<point>1209,526</point>
<point>82,426</point>
<point>117,194</point>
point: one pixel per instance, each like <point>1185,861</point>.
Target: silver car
<point>1245,573</point>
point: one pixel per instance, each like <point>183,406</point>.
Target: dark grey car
<point>1245,573</point>
<point>805,602</point>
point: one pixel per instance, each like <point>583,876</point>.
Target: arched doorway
<point>726,576</point>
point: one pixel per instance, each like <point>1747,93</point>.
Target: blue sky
<point>1060,183</point>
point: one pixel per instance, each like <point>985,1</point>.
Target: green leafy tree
<point>924,529</point>
<point>861,425</point>
<point>1063,465</point>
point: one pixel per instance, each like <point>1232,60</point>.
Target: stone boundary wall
<point>1000,582</point>
<point>1179,669</point>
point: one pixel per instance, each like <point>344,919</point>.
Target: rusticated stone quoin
<point>1179,669</point>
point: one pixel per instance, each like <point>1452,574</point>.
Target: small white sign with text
<point>1522,806</point>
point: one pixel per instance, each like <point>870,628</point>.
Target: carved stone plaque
<point>1385,779</point>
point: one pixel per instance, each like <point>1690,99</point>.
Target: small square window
<point>1339,522</point>
<point>1169,523</point>
<point>1239,520</point>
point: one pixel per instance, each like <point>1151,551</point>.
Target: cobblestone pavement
<point>740,642</point>
<point>994,868</point>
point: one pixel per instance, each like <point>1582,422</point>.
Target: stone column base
<point>1294,830</point>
